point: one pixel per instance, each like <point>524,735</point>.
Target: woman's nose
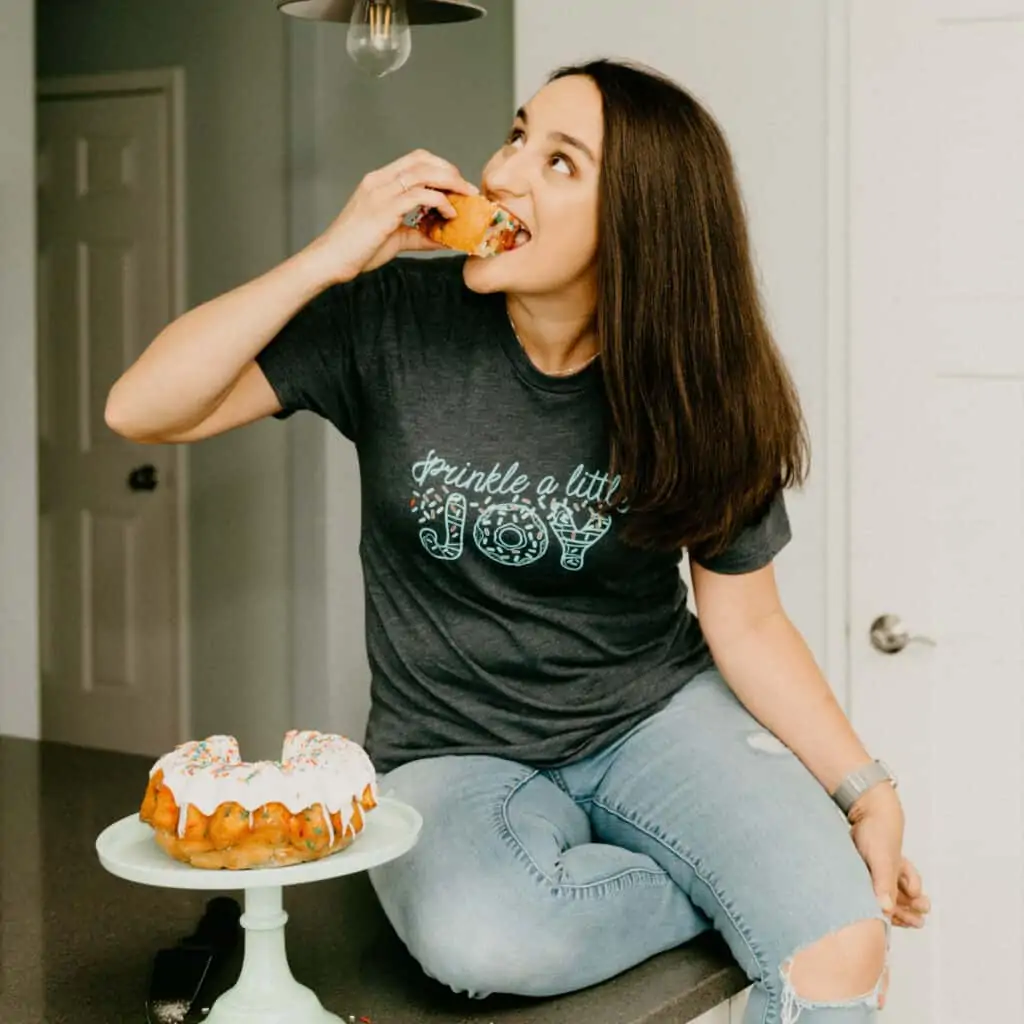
<point>506,176</point>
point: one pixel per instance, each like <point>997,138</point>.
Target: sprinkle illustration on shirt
<point>510,518</point>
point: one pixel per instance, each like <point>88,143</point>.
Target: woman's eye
<point>558,161</point>
<point>562,164</point>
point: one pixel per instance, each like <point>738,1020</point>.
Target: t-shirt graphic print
<point>509,516</point>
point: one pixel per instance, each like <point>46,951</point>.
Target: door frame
<point>839,405</point>
<point>170,83</point>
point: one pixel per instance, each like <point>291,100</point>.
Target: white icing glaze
<point>315,768</point>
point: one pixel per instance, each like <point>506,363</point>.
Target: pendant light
<point>379,40</point>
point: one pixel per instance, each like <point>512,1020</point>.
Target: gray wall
<point>19,666</point>
<point>234,53</point>
<point>453,97</point>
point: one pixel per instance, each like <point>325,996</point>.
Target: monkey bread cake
<point>211,809</point>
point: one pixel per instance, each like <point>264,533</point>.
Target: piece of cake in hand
<point>209,808</point>
<point>480,227</point>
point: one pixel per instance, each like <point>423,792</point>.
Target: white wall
<point>764,71</point>
<point>19,669</point>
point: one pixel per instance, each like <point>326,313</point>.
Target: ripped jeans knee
<point>840,979</point>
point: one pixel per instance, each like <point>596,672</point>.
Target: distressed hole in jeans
<point>766,743</point>
<point>793,1004</point>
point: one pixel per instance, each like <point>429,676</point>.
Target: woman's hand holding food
<point>371,229</point>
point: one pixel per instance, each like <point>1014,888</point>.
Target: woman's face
<point>546,174</point>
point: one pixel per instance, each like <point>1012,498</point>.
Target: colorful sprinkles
<point>318,775</point>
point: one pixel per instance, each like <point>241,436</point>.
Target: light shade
<point>421,12</point>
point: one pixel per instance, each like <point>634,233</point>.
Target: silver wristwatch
<point>858,782</point>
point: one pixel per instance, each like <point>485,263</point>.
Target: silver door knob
<point>890,635</point>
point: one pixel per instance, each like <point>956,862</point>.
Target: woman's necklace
<point>549,373</point>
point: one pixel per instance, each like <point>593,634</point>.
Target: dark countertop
<point>76,943</point>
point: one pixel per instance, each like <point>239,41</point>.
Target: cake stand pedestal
<point>266,991</point>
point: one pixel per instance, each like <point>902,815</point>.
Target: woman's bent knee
<point>845,965</point>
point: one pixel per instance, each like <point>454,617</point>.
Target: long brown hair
<point>705,423</point>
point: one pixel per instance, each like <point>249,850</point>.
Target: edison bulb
<point>379,37</point>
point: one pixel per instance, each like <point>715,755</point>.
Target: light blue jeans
<point>542,882</point>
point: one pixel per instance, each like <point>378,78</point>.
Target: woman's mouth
<point>515,236</point>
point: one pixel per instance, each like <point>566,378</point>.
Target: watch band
<point>859,781</point>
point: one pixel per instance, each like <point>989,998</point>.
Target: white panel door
<point>936,191</point>
<point>109,551</point>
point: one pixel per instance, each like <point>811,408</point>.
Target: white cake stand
<point>266,991</point>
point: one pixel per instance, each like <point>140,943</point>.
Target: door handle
<point>143,478</point>
<point>890,635</point>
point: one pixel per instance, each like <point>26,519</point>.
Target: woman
<point>540,435</point>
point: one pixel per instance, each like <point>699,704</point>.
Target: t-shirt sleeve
<point>756,545</point>
<point>317,361</point>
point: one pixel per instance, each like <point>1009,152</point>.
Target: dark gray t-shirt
<point>503,613</point>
